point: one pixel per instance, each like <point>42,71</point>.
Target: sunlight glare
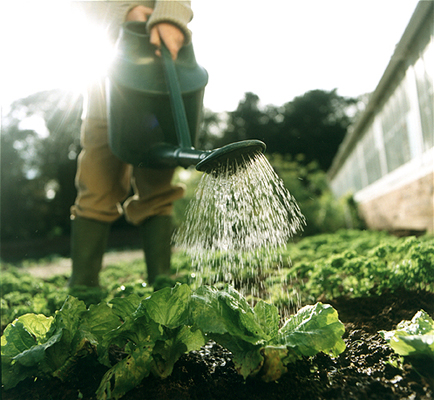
<point>50,45</point>
<point>35,122</point>
<point>92,51</point>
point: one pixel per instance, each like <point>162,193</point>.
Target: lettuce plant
<point>413,338</point>
<point>36,345</point>
<point>253,336</point>
<point>153,333</point>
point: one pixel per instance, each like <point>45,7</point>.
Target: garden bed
<point>363,371</point>
<point>367,369</point>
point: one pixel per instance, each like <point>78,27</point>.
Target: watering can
<point>154,107</point>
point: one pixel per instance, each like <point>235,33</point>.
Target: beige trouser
<point>103,181</point>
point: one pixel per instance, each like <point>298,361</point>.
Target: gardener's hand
<point>165,32</point>
<point>170,34</point>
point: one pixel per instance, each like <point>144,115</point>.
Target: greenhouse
<point>387,158</point>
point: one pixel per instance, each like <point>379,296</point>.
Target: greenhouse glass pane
<point>424,84</point>
<point>395,130</point>
<point>357,174</point>
<point>372,157</point>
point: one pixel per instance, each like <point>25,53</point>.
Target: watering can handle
<point>177,104</point>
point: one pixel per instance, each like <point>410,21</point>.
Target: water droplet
<point>237,221</point>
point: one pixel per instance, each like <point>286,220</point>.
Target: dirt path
<point>62,266</point>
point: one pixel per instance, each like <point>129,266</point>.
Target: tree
<point>248,121</point>
<point>39,144</point>
<point>313,124</point>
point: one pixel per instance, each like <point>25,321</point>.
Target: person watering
<point>102,180</point>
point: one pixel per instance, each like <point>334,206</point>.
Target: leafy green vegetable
<point>178,342</point>
<point>123,307</point>
<point>22,294</point>
<point>360,263</point>
<point>22,340</point>
<point>312,330</point>
<point>153,333</point>
<point>268,318</point>
<point>150,331</point>
<point>413,338</point>
<point>349,262</point>
<point>225,311</point>
<point>253,336</point>
<point>126,374</point>
<point>34,345</point>
<point>168,307</point>
<point>153,337</point>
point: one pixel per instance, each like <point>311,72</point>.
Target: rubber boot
<point>156,234</point>
<point>88,244</point>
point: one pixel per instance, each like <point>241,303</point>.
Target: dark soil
<point>368,369</point>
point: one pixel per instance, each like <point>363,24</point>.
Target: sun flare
<point>52,45</point>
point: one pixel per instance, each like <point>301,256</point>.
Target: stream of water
<point>236,223</point>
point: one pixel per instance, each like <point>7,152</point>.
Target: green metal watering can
<point>155,107</point>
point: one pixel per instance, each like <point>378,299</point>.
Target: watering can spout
<point>226,157</point>
<point>168,156</point>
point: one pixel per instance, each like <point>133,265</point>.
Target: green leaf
<point>159,321</point>
<point>22,347</point>
<point>43,345</point>
<point>126,374</point>
<point>125,307</point>
<point>67,323</point>
<point>206,311</point>
<point>413,338</point>
<point>35,356</point>
<point>247,357</point>
<point>226,317</point>
<point>253,337</point>
<point>268,318</point>
<point>225,311</point>
<point>180,341</point>
<point>96,323</point>
<point>23,333</point>
<point>37,345</point>
<point>99,320</point>
<point>169,306</point>
<point>134,330</point>
<point>249,361</point>
<point>70,314</point>
<point>312,330</point>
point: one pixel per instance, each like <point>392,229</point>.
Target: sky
<point>277,49</point>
